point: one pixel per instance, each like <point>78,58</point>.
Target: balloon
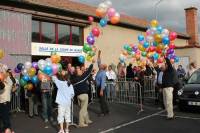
<point>90,40</point>
<point>134,48</point>
<point>42,64</point>
<point>24,71</point>
<point>160,46</point>
<point>29,86</point>
<point>146,45</point>
<point>140,37</point>
<point>100,12</point>
<point>155,44</point>
<point>154,23</point>
<point>165,32</point>
<point>159,51</point>
<point>141,42</point>
<point>160,60</point>
<point>103,22</point>
<point>49,62</point>
<point>158,38</point>
<point>81,59</point>
<point>149,38</point>
<point>95,32</point>
<point>172,36</point>
<point>22,82</point>
<point>27,65</point>
<point>1,53</point>
<point>122,59</point>
<point>148,32</point>
<point>54,59</point>
<point>153,31</point>
<point>89,58</point>
<point>165,41</point>
<point>108,3</point>
<point>170,51</point>
<point>126,46</point>
<point>91,53</point>
<point>55,68</point>
<point>31,72</point>
<point>115,19</point>
<point>20,66</point>
<point>90,19</point>
<point>144,54</point>
<point>17,70</point>
<point>34,79</point>
<point>111,12</point>
<point>86,48</point>
<point>172,46</point>
<point>2,76</point>
<point>159,29</point>
<point>26,78</point>
<point>141,48</point>
<point>172,61</point>
<point>156,56</point>
<point>176,59</point>
<point>48,70</point>
<point>35,65</point>
<point>42,76</point>
<point>137,56</point>
<point>103,6</point>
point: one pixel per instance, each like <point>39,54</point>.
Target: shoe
<point>30,116</point>
<point>46,120</point>
<point>61,131</point>
<point>83,125</point>
<point>89,122</point>
<point>171,118</point>
<point>101,115</point>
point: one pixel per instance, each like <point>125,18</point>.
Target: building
<point>30,29</point>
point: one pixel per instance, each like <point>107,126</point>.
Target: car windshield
<point>195,78</point>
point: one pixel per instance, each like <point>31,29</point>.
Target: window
<point>35,31</point>
<point>63,34</point>
<point>48,32</point>
<point>76,35</point>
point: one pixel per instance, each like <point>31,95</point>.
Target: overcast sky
<point>170,12</point>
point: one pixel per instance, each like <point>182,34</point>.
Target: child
<point>63,99</point>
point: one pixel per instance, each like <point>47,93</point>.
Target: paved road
<point>123,119</point>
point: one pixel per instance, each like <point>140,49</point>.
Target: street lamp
<point>155,7</point>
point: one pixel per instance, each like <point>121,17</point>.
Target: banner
<point>44,49</point>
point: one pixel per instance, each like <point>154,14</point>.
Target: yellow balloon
<point>1,53</point>
<point>31,72</point>
<point>161,46</point>
<point>89,58</point>
<point>154,23</point>
<point>141,48</point>
<point>158,38</point>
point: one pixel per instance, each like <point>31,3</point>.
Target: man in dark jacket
<point>168,81</point>
<point>81,89</point>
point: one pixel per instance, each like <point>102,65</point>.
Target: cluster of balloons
<point>34,72</point>
<point>154,46</point>
<point>107,13</point>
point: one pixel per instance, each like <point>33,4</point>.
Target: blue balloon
<point>20,66</point>
<point>26,78</point>
<point>176,59</point>
<point>34,79</point>
<point>103,22</point>
<point>159,29</point>
<point>140,37</point>
<point>165,40</point>
<point>81,59</point>
<point>126,46</point>
<point>156,56</point>
<point>121,59</point>
<point>146,45</point>
<point>48,70</point>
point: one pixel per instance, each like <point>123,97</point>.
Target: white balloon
<point>103,6</point>
<point>108,3</point>
<point>42,64</point>
<point>153,30</point>
<point>117,14</point>
<point>150,38</point>
<point>27,65</point>
<point>165,32</point>
<point>24,71</point>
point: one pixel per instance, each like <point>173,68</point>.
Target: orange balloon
<point>2,76</point>
<point>42,76</point>
<point>29,86</point>
<point>158,38</point>
<point>100,12</point>
<point>58,58</point>
<point>115,20</point>
<point>137,56</point>
<point>141,48</point>
<point>31,72</point>
<point>55,59</point>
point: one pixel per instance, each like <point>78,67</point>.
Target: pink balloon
<point>96,31</point>
<point>90,19</point>
<point>55,68</point>
<point>111,12</point>
<point>172,36</point>
<point>148,32</point>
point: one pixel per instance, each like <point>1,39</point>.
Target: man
<point>101,84</point>
<point>181,72</point>
<point>111,77</point>
<point>5,98</point>
<point>168,81</point>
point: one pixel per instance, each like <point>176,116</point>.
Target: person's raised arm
<point>99,59</point>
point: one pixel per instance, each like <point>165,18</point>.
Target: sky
<point>170,13</point>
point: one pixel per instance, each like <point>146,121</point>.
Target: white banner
<point>44,49</point>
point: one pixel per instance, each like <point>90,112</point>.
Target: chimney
<point>192,25</point>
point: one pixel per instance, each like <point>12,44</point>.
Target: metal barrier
<point>15,102</point>
<point>149,91</point>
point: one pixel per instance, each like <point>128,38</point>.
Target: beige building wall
<point>192,53</point>
<point>181,42</point>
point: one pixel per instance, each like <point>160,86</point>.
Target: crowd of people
<point>79,83</point>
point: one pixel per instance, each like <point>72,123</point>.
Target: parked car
<point>189,94</point>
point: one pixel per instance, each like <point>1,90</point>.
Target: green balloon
<point>129,49</point>
<point>144,54</point>
<point>59,67</point>
<point>91,53</point>
<point>22,82</point>
<point>86,48</point>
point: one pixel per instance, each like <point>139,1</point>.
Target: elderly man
<point>101,84</point>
